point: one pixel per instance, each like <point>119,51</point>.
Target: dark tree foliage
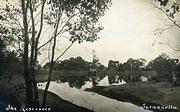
<point>9,60</point>
<point>75,81</point>
<point>2,57</point>
<point>163,65</point>
<point>129,65</point>
<point>113,65</point>
<point>172,7</point>
<point>76,64</point>
<point>14,63</point>
<point>163,2</point>
<point>134,64</point>
<point>82,17</point>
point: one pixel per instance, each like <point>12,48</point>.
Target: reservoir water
<point>90,100</point>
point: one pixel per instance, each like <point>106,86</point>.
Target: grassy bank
<point>139,93</point>
<point>9,94</point>
<point>53,101</point>
<point>59,105</point>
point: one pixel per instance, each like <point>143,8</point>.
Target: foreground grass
<point>139,93</point>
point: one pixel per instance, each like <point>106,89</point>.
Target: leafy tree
<point>101,67</point>
<point>14,63</point>
<point>72,64</point>
<point>163,65</point>
<point>134,64</point>
<point>113,65</point>
<point>81,23</point>
<point>9,61</point>
<point>27,19</point>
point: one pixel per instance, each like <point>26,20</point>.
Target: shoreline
<point>60,105</point>
<point>54,102</point>
<point>140,93</point>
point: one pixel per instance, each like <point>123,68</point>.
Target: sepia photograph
<point>89,55</point>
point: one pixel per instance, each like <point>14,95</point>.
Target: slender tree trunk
<point>36,97</point>
<point>50,73</point>
<point>33,61</point>
<point>51,63</point>
<point>28,81</point>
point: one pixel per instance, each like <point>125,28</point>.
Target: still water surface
<point>91,100</point>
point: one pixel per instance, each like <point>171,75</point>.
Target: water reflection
<point>106,81</point>
<point>90,100</point>
<point>74,81</point>
<point>90,81</point>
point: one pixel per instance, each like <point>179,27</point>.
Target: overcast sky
<point>129,27</point>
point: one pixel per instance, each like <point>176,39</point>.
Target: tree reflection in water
<point>93,79</point>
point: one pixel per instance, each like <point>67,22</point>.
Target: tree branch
<point>52,58</point>
<point>41,24</point>
<point>171,46</point>
<point>66,23</point>
<point>58,32</point>
<point>160,9</point>
<point>60,54</point>
<point>161,30</point>
<point>64,51</point>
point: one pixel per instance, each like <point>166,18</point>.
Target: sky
<point>129,28</point>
